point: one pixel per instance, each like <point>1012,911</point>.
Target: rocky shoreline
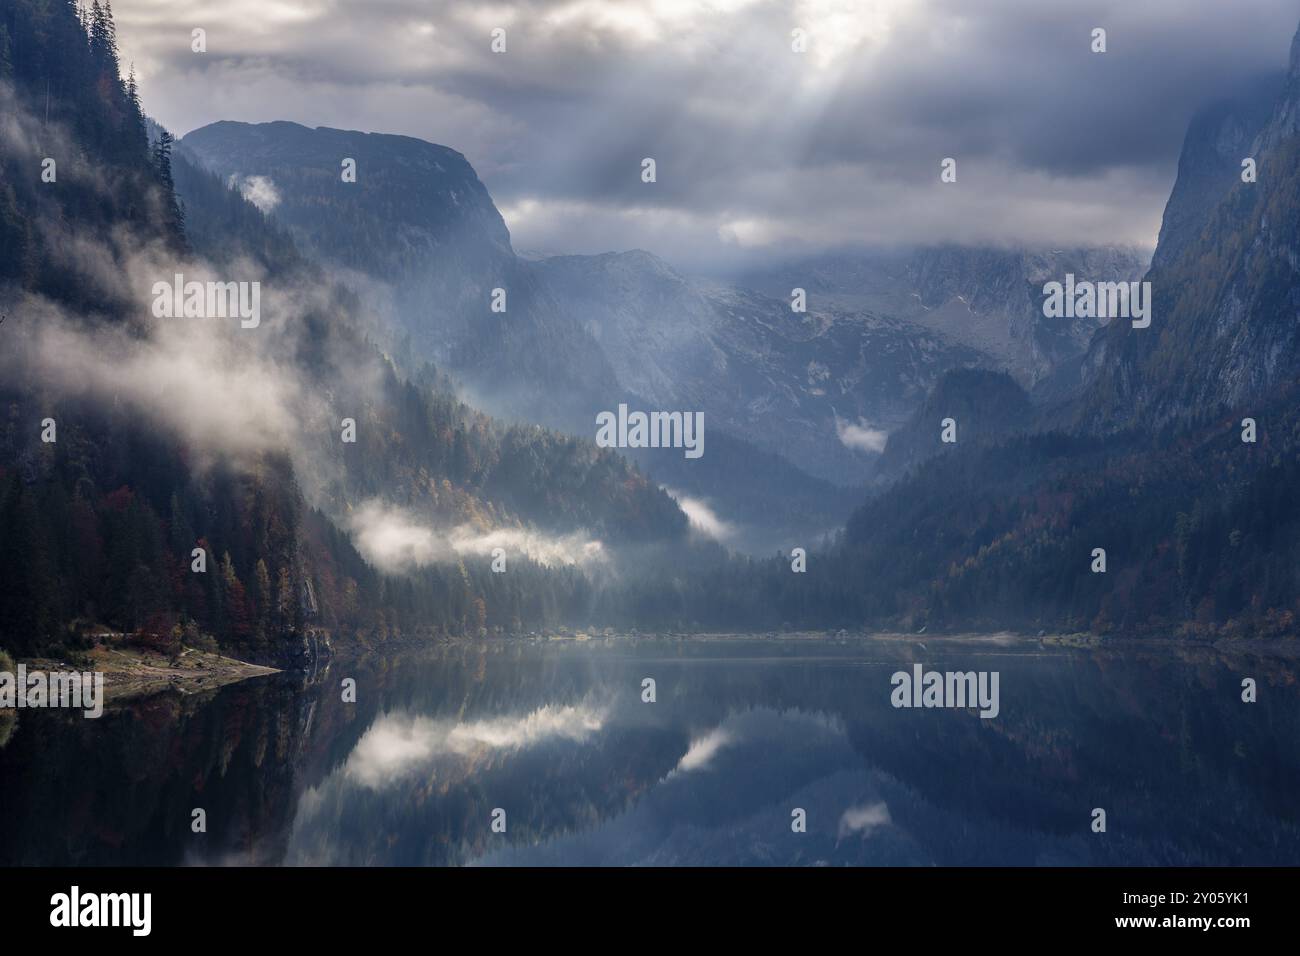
<point>131,672</point>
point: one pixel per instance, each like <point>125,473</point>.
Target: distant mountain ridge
<point>982,298</point>
<point>789,382</point>
<point>584,331</point>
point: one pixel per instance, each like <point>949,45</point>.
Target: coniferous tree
<point>162,159</point>
<point>174,218</point>
<point>136,134</point>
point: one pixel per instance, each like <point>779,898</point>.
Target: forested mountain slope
<point>129,440</point>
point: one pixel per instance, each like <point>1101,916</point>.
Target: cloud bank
<point>760,149</point>
<point>397,540</point>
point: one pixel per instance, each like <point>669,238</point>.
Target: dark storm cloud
<point>757,147</point>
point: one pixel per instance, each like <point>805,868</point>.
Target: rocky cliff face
<point>1217,140</point>
<point>430,201</point>
<point>418,233</point>
<point>1225,328</point>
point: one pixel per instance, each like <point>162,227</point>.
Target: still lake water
<point>742,733</point>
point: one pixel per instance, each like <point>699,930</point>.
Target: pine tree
<point>137,134</point>
<point>103,39</point>
<point>162,160</point>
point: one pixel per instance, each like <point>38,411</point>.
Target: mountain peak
<point>443,203</point>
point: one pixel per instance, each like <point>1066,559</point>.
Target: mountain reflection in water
<point>742,734</point>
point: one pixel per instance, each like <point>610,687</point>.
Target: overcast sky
<point>759,149</point>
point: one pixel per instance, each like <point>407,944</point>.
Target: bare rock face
<point>1225,280</point>
<point>419,237</point>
